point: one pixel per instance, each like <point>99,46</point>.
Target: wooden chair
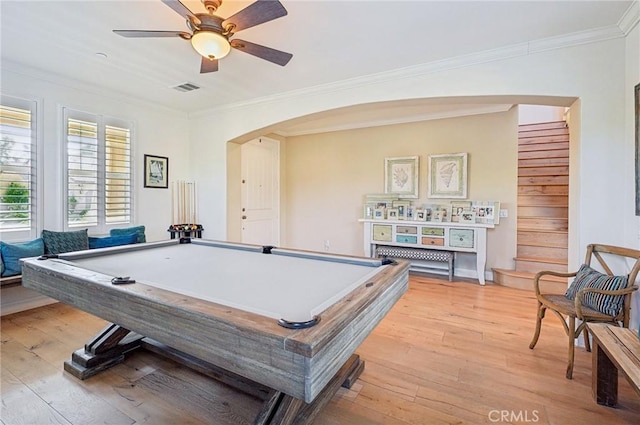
<point>564,307</point>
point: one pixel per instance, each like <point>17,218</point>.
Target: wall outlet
<point>327,245</point>
<point>504,213</point>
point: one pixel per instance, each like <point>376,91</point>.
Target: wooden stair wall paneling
<point>543,206</point>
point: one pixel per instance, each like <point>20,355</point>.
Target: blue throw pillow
<point>110,241</point>
<point>139,230</point>
<point>590,278</point>
<point>60,242</point>
<point>13,252</point>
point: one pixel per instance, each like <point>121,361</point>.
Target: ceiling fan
<point>210,34</point>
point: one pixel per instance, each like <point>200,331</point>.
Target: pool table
<point>288,321</point>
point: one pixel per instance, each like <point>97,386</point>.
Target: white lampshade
<point>210,44</point>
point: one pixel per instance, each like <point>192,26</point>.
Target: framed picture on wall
<point>156,171</point>
<point>448,176</point>
<point>401,176</point>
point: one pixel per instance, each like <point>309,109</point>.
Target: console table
<point>454,237</point>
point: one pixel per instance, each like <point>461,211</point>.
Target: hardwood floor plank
<point>59,390</point>
<point>20,405</point>
<point>201,396</point>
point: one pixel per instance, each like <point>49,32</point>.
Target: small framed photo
<point>378,213</point>
<point>410,213</point>
<point>368,210</point>
<point>403,207</point>
<point>420,215</point>
<point>456,209</point>
<point>393,214</point>
<point>156,171</point>
<point>467,216</point>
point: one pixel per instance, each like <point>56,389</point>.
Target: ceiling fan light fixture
<point>210,44</point>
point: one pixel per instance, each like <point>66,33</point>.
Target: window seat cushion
<point>61,242</point>
<point>109,241</point>
<point>139,230</point>
<point>13,252</point>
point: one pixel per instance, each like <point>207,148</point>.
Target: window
<point>99,171</point>
<point>18,169</point>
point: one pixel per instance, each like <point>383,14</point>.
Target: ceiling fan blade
<point>208,65</point>
<point>143,33</point>
<point>256,13</point>
<point>266,53</point>
<point>182,10</point>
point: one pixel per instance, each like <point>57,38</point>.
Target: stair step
<point>542,125</point>
<point>524,280</point>
<point>542,260</point>
<point>543,200</point>
<point>542,190</point>
<point>540,211</point>
<point>543,162</point>
<point>541,223</point>
<point>534,265</point>
<point>537,251</point>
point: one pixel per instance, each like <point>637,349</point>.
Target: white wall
<point>631,223</point>
<point>533,114</point>
<point>158,131</point>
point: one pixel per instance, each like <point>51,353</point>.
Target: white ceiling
<point>331,41</point>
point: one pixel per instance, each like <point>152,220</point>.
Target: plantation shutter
<point>18,182</point>
<point>118,175</point>
<point>82,173</point>
<point>99,172</point>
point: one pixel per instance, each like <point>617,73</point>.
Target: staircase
<point>543,203</point>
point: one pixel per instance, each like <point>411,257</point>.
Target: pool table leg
<point>282,409</point>
<point>104,350</point>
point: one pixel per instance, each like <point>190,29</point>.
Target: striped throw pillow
<point>590,278</point>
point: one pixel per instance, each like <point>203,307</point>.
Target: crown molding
<point>630,19</point>
<point>493,55</point>
<point>62,81</point>
<point>576,39</point>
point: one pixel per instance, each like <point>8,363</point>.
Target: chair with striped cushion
<point>593,296</point>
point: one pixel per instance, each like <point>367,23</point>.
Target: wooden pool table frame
<point>292,366</point>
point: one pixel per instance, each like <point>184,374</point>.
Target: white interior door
<point>260,182</point>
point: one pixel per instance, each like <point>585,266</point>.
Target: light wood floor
<point>448,353</point>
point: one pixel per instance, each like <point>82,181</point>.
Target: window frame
<point>36,189</point>
<point>101,121</point>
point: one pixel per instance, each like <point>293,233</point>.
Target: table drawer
<point>409,230</point>
<point>433,231</point>
<point>462,238</point>
<point>382,232</point>
<point>432,241</point>
<point>406,239</point>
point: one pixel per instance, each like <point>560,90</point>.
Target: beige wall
<point>328,175</point>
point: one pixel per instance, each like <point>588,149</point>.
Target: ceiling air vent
<point>186,87</point>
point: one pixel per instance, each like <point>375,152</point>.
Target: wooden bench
<point>616,350</point>
<point>418,254</point>
<point>7,282</point>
